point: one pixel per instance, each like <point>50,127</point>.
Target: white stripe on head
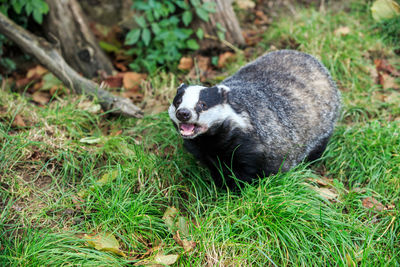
<point>189,100</point>
<point>191,97</point>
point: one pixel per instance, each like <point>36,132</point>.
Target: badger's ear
<point>181,87</point>
<point>224,91</point>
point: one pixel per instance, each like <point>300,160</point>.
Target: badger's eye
<point>202,105</point>
<point>178,102</point>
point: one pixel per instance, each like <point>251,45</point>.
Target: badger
<point>271,115</point>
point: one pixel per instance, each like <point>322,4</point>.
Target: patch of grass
<point>50,193</point>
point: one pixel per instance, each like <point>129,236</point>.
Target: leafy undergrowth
<point>78,187</point>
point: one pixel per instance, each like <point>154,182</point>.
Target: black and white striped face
<point>195,109</point>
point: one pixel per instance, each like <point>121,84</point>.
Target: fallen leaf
<point>77,202</point>
<point>132,80</point>
<point>203,69</point>
<point>326,193</point>
<point>387,81</point>
<point>385,9</point>
<point>342,31</point>
<point>89,106</point>
<point>166,259</point>
<point>169,217</point>
<point>41,98</point>
<point>372,203</point>
<point>90,140</point>
<point>133,95</point>
<point>184,243</point>
<point>359,190</point>
<point>58,90</point>
<point>120,66</point>
<point>23,82</point>
<point>114,81</point>
<point>322,181</point>
<point>385,66</point>
<point>252,37</point>
<point>36,72</point>
<point>223,58</point>
<point>107,178</point>
<point>203,63</point>
<point>18,121</point>
<point>186,63</point>
<point>104,242</point>
<point>245,4</point>
<point>261,18</point>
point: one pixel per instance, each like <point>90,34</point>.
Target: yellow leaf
<point>166,259</point>
<point>104,242</point>
<point>169,218</point>
<point>385,9</point>
<point>105,179</point>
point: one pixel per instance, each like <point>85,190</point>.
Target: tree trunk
<point>67,26</point>
<point>49,57</point>
<point>225,16</point>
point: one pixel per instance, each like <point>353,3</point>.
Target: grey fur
<point>291,100</point>
<point>290,105</point>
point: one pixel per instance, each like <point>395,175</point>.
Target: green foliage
<point>390,30</point>
<point>20,11</point>
<point>34,8</point>
<point>163,33</point>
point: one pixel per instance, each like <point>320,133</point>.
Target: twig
<point>225,42</point>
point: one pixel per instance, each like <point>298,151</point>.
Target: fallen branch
<point>50,58</point>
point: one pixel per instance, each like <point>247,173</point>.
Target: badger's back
<point>291,102</point>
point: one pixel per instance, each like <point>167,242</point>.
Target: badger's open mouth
<point>190,130</point>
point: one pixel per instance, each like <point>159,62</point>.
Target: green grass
<point>50,195</point>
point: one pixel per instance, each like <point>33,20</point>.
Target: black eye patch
<point>209,98</point>
<point>178,98</point>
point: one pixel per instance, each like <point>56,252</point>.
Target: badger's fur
<point>272,114</point>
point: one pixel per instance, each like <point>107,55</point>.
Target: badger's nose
<point>183,114</point>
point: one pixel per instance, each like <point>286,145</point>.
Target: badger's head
<point>197,109</point>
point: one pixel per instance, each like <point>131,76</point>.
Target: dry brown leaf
<point>387,81</point>
<point>342,31</point>
<point>120,66</point>
<point>186,63</point>
<point>18,121</point>
<point>132,80</point>
<point>186,244</point>
<point>41,98</point>
<point>104,242</point>
<point>223,58</point>
<point>372,203</point>
<point>58,90</point>
<point>37,86</point>
<point>203,63</point>
<point>133,95</point>
<point>36,72</point>
<point>114,81</point>
<point>261,18</point>
<point>252,37</point>
<point>23,82</point>
<point>383,65</point>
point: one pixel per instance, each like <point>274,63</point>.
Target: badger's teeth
<point>186,128</point>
